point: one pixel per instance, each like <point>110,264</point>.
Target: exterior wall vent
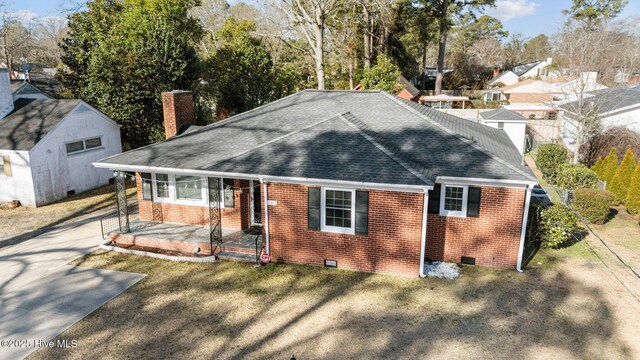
<point>330,263</point>
<point>468,260</point>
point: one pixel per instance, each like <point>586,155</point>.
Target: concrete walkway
<point>41,296</point>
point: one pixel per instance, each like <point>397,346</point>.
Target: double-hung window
<point>453,200</point>
<point>338,211</point>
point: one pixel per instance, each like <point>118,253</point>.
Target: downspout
<point>423,233</point>
<point>266,215</point>
<point>525,219</point>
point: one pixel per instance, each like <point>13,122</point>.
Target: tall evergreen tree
<point>622,178</point>
<point>632,201</point>
<point>610,166</point>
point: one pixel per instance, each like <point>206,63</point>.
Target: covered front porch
<point>243,245</point>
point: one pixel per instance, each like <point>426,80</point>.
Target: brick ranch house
<point>358,180</point>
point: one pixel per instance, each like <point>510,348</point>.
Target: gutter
<point>523,233</point>
<point>423,234</point>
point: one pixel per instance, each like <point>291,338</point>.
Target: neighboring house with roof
<point>359,180</point>
<point>409,91</point>
<point>619,106</point>
<point>512,123</point>
<point>519,72</point>
<point>47,146</point>
<point>25,90</point>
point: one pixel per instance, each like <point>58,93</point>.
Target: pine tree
<point>609,166</point>
<point>598,167</point>
<point>620,181</point>
<point>633,196</point>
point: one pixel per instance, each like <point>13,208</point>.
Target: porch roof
<point>358,136</point>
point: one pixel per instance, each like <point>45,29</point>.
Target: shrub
<point>557,224</point>
<point>550,156</point>
<point>597,167</point>
<point>574,176</point>
<point>592,204</point>
<point>609,166</point>
<point>620,182</point>
<point>633,196</point>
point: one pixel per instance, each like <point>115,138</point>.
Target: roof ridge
<point>377,140</point>
<point>460,137</point>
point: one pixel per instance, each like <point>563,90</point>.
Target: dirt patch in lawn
<point>26,222</point>
<point>232,310</point>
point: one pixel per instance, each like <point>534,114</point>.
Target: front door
<point>256,213</point>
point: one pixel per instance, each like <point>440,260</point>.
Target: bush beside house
<point>550,157</point>
<point>593,204</point>
<point>556,225</point>
<point>575,176</point>
<point>622,178</point>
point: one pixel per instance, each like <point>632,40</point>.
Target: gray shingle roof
<point>607,100</point>
<point>31,120</point>
<point>501,114</point>
<point>25,88</point>
<point>365,136</point>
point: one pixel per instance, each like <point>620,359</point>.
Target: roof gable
<point>31,120</point>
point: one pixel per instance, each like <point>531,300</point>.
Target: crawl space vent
<point>468,260</point>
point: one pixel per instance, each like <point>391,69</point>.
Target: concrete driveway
<point>41,296</point>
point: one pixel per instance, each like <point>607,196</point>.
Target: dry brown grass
<point>232,310</point>
<point>20,220</point>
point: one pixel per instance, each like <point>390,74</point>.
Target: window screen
<point>93,143</point>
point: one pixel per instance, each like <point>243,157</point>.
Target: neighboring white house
<point>514,124</point>
<point>618,106</point>
<point>24,90</point>
<point>47,147</point>
<point>520,72</point>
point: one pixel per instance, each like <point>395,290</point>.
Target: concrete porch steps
<point>236,256</point>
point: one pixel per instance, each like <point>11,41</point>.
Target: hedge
<point>620,182</point>
<point>593,204</point>
<point>574,176</point>
<point>550,156</point>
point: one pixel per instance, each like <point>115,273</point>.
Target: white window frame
<point>323,207</point>
<point>173,194</point>
<point>84,145</point>
<point>465,196</point>
<point>2,173</point>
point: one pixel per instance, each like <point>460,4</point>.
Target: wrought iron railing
<point>110,222</point>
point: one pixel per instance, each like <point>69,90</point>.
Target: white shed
<point>47,147</point>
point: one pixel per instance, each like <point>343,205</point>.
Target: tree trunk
<point>367,36</point>
<point>319,50</point>
<point>351,61</point>
<point>442,47</point>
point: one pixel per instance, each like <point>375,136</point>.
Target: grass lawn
<point>23,219</point>
<point>232,310</point>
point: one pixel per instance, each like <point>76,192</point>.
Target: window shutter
<point>228,193</point>
<point>7,166</point>
<point>147,186</point>
<point>314,208</point>
<point>473,202</point>
<point>434,200</point>
<point>362,212</point>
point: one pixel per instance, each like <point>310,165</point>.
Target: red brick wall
<point>191,214</point>
<point>493,238</point>
<point>180,246</point>
<point>391,247</point>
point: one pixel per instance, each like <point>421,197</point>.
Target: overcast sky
<point>528,17</point>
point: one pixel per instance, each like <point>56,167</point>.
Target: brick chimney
<point>178,110</point>
<point>496,71</point>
